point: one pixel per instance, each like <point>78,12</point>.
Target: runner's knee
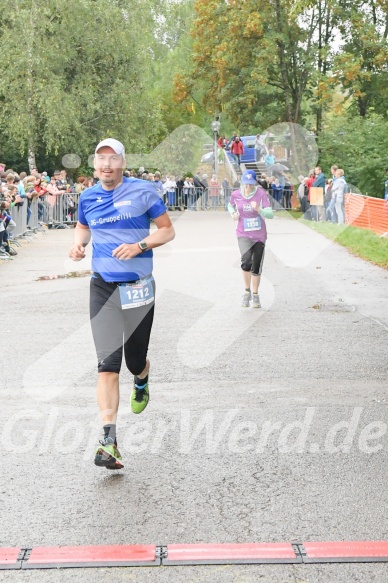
<point>246,264</point>
<point>110,363</point>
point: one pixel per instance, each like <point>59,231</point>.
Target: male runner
<point>116,214</point>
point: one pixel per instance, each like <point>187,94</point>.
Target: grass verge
<point>361,242</point>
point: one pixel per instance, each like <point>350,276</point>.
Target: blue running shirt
<point>120,216</point>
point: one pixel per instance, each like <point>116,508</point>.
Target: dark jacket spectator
<point>319,181</point>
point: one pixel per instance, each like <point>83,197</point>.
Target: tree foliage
<point>173,67</point>
<point>263,60</point>
<point>255,54</point>
<point>74,73</point>
<point>362,64</point>
<point>359,146</point>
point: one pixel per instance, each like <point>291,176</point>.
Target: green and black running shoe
<point>139,398</point>
<point>108,456</point>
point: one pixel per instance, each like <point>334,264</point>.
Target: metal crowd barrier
<point>19,216</point>
<point>26,221</point>
<point>30,216</point>
<point>217,198</point>
<point>197,199</point>
<point>58,211</point>
<point>213,198</point>
<point>33,222</point>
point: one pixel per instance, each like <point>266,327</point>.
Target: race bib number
<point>135,295</point>
<point>252,224</point>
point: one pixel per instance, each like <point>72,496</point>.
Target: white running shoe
<point>246,299</point>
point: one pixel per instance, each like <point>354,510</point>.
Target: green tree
<point>172,67</point>
<point>268,61</point>
<point>358,146</point>
<point>257,57</point>
<point>362,64</point>
<point>68,82</point>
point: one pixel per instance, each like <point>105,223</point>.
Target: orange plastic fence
<point>366,212</point>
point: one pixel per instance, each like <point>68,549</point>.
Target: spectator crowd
<point>56,196</point>
<point>321,198</point>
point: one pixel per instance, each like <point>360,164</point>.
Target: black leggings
<point>252,255</point>
<point>115,329</point>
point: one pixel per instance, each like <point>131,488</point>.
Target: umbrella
<point>207,158</point>
<point>277,168</point>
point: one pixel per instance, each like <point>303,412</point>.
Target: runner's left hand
<point>126,251</point>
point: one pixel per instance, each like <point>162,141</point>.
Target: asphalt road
<point>263,425</point>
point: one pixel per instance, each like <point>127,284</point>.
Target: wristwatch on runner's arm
<point>143,245</point>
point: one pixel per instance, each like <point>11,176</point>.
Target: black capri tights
<point>252,255</point>
<point>115,329</point>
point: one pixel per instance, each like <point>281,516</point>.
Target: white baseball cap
<point>116,146</point>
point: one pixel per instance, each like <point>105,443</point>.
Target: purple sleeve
<point>264,199</point>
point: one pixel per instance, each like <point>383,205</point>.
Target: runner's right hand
<point>235,216</point>
<point>77,252</point>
